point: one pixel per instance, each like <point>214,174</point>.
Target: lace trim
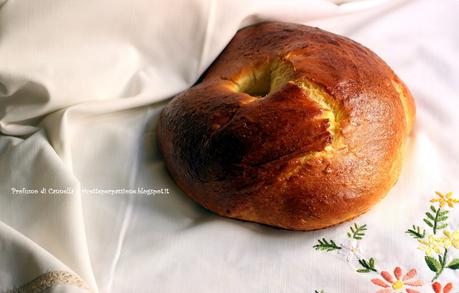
<point>50,279</point>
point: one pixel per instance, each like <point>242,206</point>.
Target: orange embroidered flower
<point>391,285</point>
<point>444,199</point>
<point>437,288</point>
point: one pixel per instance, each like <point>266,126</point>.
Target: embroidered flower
<point>399,283</point>
<point>351,250</point>
<point>437,288</point>
<point>431,244</point>
<point>451,239</point>
<point>445,199</point>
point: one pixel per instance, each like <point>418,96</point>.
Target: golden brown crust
<point>292,127</point>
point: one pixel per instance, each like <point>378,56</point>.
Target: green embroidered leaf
<point>442,219</point>
<point>326,245</point>
<point>442,226</point>
<point>416,233</point>
<point>321,291</point>
<point>430,216</point>
<point>443,213</point>
<point>357,232</point>
<point>435,220</point>
<point>454,264</point>
<point>433,264</point>
<point>368,266</point>
<point>428,223</point>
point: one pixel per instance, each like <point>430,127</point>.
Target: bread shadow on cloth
<point>180,209</point>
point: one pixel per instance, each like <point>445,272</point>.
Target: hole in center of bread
<point>266,79</point>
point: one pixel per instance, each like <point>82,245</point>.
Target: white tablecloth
<point>86,203</point>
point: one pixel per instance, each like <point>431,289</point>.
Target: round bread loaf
<point>292,127</point>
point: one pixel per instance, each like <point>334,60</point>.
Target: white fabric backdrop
<point>81,86</point>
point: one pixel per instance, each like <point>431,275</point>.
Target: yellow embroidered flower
<point>444,199</point>
<point>431,244</point>
<point>451,239</point>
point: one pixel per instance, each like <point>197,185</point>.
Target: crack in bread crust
<point>332,111</point>
<point>265,79</point>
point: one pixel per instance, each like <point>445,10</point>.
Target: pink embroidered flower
<point>391,285</point>
<point>437,288</point>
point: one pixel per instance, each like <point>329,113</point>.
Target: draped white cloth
<point>81,86</point>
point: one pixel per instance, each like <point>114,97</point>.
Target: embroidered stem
<point>416,232</point>
<point>357,232</point>
<point>442,263</point>
<point>436,221</point>
<point>368,266</point>
<point>326,245</point>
